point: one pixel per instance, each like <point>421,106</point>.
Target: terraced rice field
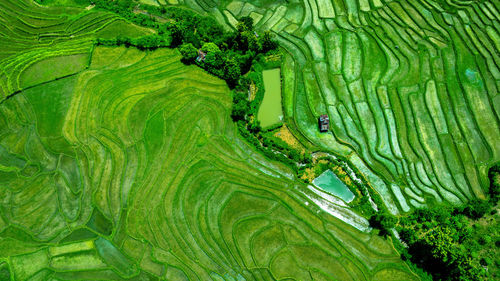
<point>126,165</point>
<point>118,164</point>
<point>411,88</point>
<point>40,44</point>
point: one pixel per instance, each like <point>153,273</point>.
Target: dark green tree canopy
<point>188,52</point>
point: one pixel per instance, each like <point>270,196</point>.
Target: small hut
<point>324,123</point>
<point>201,56</point>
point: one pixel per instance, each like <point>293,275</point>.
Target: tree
<point>215,59</point>
<point>245,24</point>
<point>267,41</point>
<point>494,190</point>
<point>383,221</point>
<point>476,209</point>
<point>148,42</point>
<point>123,40</point>
<point>188,52</point>
<point>232,72</point>
<point>240,106</point>
<point>175,30</point>
<point>253,43</point>
<point>255,127</point>
<point>209,47</point>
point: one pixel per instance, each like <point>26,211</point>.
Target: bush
<point>148,42</point>
<point>189,53</point>
<point>494,188</point>
<point>449,242</point>
<point>383,221</point>
<point>476,209</point>
<point>209,47</point>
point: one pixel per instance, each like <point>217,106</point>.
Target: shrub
<point>210,47</point>
<point>383,221</point>
<point>189,53</point>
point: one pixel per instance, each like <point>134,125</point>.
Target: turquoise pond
<point>330,183</point>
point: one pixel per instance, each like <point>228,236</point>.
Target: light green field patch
<point>435,108</point>
<point>333,43</point>
<point>351,57</point>
<point>287,68</point>
<point>393,274</point>
<point>282,24</point>
<point>81,261</point>
<point>235,7</point>
<point>51,102</point>
<point>285,266</point>
<point>278,14</point>
<point>315,45</point>
<point>123,28</point>
<point>232,20</point>
<point>27,265</point>
<point>71,248</point>
<point>364,5</point>
<point>150,2</point>
<point>256,17</point>
<point>326,9</point>
<point>321,69</point>
<point>247,9</point>
<point>128,57</point>
<point>103,56</point>
<point>52,68</point>
<point>401,199</point>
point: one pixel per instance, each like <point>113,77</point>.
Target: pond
<point>330,183</point>
<point>270,111</point>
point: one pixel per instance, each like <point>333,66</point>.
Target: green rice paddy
<point>329,182</point>
<point>118,164</point>
<point>411,89</point>
<point>270,111</point>
<point>130,168</point>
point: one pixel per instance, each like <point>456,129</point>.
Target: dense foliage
<point>226,55</point>
<point>456,243</point>
<point>148,42</point>
<point>383,221</point>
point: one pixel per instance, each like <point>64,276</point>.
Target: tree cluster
<point>148,42</point>
<point>383,221</point>
<point>453,243</point>
<point>494,189</point>
<point>227,55</point>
